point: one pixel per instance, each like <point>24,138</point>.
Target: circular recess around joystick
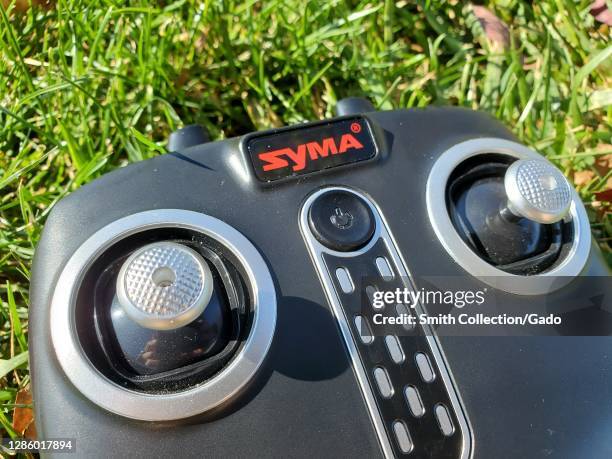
<point>507,216</point>
<point>174,266</point>
<point>491,199</point>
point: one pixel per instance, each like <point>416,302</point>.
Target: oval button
<point>403,437</point>
<point>394,348</point>
<point>384,268</point>
<point>384,383</point>
<point>344,279</point>
<point>424,367</point>
<point>444,420</point>
<point>403,309</point>
<point>414,401</point>
<point>363,329</point>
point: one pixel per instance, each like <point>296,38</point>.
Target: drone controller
<point>217,300</point>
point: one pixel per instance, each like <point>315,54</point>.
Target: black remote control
<point>219,300</point>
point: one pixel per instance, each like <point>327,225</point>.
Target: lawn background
<point>86,87</point>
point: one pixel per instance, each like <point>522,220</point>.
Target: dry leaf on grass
<point>24,5</point>
<point>23,416</point>
<point>603,164</point>
<point>496,31</point>
<point>604,196</point>
<point>601,12</point>
<point>582,178</point>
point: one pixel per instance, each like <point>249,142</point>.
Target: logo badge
<point>308,149</point>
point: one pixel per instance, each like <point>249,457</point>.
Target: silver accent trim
<point>168,307</point>
<point>316,249</point>
<point>543,283</point>
<point>163,407</point>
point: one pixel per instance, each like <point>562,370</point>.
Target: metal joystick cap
<point>537,190</point>
<point>164,286</point>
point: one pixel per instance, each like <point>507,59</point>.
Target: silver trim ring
<point>162,407</point>
<point>543,283</point>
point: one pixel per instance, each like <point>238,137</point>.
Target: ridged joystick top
<point>537,190</point>
<point>164,286</point>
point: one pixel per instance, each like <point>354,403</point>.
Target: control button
<point>444,420</point>
<point>370,291</point>
<point>384,269</point>
<point>403,437</point>
<point>394,348</point>
<point>341,221</point>
<point>363,328</point>
<point>417,409</point>
<point>164,286</point>
<point>186,137</point>
<point>344,278</point>
<point>353,106</point>
<point>424,367</point>
<point>384,383</point>
<point>402,309</point>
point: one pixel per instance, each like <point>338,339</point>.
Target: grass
<point>86,87</point>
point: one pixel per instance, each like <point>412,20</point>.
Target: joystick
<point>536,190</point>
<point>164,286</point>
<point>227,297</point>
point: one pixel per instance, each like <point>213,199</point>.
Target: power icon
<point>341,219</point>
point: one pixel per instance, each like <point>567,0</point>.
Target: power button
<point>341,221</point>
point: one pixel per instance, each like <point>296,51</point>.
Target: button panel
<point>406,385</point>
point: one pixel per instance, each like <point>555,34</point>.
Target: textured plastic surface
<point>551,393</point>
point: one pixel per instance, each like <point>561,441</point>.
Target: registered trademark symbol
<point>356,128</point>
